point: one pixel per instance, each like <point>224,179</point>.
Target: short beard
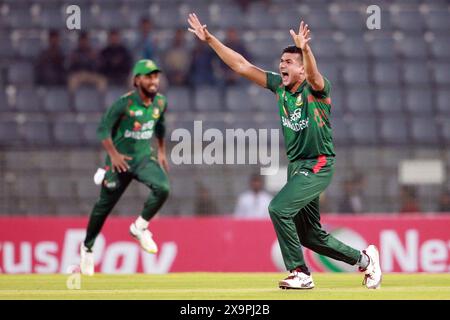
<point>147,93</point>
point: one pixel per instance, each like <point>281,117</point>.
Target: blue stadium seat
<point>54,17</point>
<point>412,47</point>
<point>263,99</point>
<point>418,101</point>
<point>386,73</point>
<point>394,130</point>
<point>256,17</point>
<point>325,47</point>
<point>6,48</point>
<point>360,101</point>
<point>88,100</point>
<point>318,20</point>
<point>341,134</point>
<point>169,17</point>
<point>442,74</point>
<point>19,16</point>
<point>21,73</point>
<point>56,99</point>
<point>443,100</point>
<point>237,98</point>
<point>440,47</point>
<point>113,94</point>
<point>229,16</point>
<point>37,132</point>
<point>363,130</point>
<point>112,18</point>
<point>389,100</point>
<point>382,48</point>
<point>349,20</point>
<point>9,133</point>
<point>355,74</point>
<point>354,47</point>
<point>408,20</point>
<point>89,132</point>
<point>67,131</point>
<point>330,71</point>
<point>29,48</point>
<point>287,18</point>
<point>424,131</point>
<point>207,98</point>
<point>416,74</point>
<point>28,100</point>
<point>438,20</point>
<point>445,130</point>
<point>179,99</point>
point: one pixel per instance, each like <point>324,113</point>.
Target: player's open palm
<point>197,28</point>
<point>303,37</point>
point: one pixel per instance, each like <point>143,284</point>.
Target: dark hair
<point>293,49</point>
<point>53,33</point>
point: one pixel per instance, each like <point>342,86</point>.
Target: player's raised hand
<point>197,28</point>
<point>303,37</point>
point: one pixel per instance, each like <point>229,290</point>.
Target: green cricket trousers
<point>295,214</point>
<point>147,171</point>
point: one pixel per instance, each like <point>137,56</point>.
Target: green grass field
<point>217,286</point>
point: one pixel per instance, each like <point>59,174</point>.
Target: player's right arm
<point>230,57</point>
<point>104,131</point>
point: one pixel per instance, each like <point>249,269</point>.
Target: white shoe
<point>373,275</point>
<point>144,236</point>
<point>87,261</point>
<point>297,280</point>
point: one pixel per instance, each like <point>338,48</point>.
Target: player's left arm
<point>312,74</point>
<point>160,131</point>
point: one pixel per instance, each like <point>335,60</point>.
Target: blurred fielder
<point>126,130</point>
<point>304,105</point>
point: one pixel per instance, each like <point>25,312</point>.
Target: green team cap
<point>145,66</point>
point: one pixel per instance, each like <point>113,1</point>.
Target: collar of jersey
<point>139,100</point>
<point>299,89</point>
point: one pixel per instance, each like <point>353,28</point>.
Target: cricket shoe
<point>297,280</point>
<point>144,236</point>
<point>87,261</point>
<point>372,274</point>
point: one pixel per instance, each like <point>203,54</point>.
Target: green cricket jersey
<point>131,124</point>
<point>304,119</point>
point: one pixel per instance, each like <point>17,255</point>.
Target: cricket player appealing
<point>126,130</point>
<point>304,105</point>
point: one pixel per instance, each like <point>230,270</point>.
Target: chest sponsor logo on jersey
<point>140,131</point>
<point>137,113</point>
<point>295,126</point>
<point>297,114</point>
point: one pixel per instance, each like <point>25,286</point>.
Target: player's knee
<point>162,190</point>
<point>274,208</point>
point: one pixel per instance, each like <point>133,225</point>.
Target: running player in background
<point>126,130</point>
<point>304,105</point>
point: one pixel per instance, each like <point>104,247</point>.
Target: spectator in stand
<point>202,71</point>
<point>233,41</point>
<point>352,202</point>
<point>83,65</point>
<point>444,201</point>
<point>409,201</point>
<point>177,60</point>
<point>50,65</point>
<point>203,203</point>
<point>254,203</point>
<point>145,47</point>
<point>115,60</point>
